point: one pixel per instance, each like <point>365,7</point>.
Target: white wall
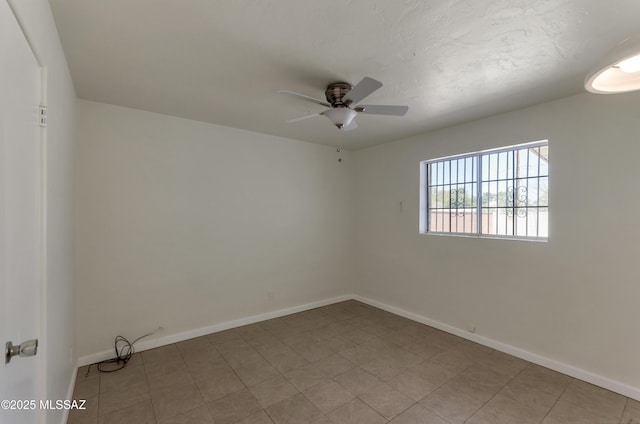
<point>60,335</point>
<point>186,224</point>
<point>573,299</point>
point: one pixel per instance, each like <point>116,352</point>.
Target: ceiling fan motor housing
<point>336,91</point>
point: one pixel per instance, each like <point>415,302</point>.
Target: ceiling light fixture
<point>340,116</point>
<point>620,72</point>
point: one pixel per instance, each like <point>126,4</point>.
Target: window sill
<point>486,236</point>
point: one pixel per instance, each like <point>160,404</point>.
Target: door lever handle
<point>28,348</point>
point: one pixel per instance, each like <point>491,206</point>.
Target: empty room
<point>338,212</point>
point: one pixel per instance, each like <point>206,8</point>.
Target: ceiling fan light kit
<point>619,72</point>
<point>340,116</point>
<point>341,95</point>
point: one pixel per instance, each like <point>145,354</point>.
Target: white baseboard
<point>581,374</point>
<point>72,385</point>
<point>186,335</point>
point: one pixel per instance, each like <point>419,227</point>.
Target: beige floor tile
<point>397,338</point>
<point>334,365</point>
<point>402,355</point>
<point>322,420</point>
<point>483,417</point>
<point>631,413</point>
<point>334,329</point>
<point>336,344</point>
<point>173,400</point>
<point>209,369</point>
<point>219,386</point>
<point>595,399</point>
<point>272,391</point>
<point>271,347</point>
<point>222,337</point>
<point>199,415</point>
<point>286,361</point>
<point>432,373</point>
<point>89,371</point>
<point>294,410</point>
<point>301,340</point>
<point>544,379</point>
<point>160,354</point>
<point>328,396</point>
<point>528,395</point>
<point>504,363</point>
<point>332,354</point>
<point>241,357</point>
<point>164,367</point>
<point>386,400</point>
<point>417,414</point>
<point>141,413</point>
<point>119,399</point>
<point>256,373</point>
<point>305,377</point>
<point>449,405</point>
<point>452,361</point>
<point>89,415</point>
<point>82,421</point>
<point>123,378</point>
<point>507,410</point>
<point>357,381</point>
<point>565,412</point>
<point>228,346</point>
<point>315,351</point>
<point>356,412</point>
<point>86,387</point>
<point>196,345</point>
<point>480,373</point>
<point>385,367</point>
<point>358,336</point>
<point>201,356</point>
<point>257,418</point>
<point>445,340</point>
<point>379,347</point>
<point>474,352</point>
<point>547,420</point>
<point>234,407</point>
<point>359,355</point>
<point>370,326</point>
<point>411,385</point>
<point>177,375</point>
<point>259,339</point>
<point>249,330</point>
<point>476,392</point>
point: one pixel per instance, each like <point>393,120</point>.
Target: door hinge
<point>42,118</point>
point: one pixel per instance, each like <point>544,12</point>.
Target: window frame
<point>425,198</point>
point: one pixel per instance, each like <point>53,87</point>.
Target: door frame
<point>43,336</point>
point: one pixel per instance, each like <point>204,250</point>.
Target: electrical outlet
<point>271,294</point>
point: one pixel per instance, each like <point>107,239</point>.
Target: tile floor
<point>346,363</point>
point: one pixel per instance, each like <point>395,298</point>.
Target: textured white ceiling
<point>223,61</point>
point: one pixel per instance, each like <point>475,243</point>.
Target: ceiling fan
<point>340,96</point>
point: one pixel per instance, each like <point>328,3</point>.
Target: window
<point>496,193</point>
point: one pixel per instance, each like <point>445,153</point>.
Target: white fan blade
<point>302,96</point>
<point>361,90</point>
<point>302,118</point>
<point>383,110</point>
<point>351,126</point>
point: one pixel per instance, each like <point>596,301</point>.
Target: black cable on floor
<point>124,351</point>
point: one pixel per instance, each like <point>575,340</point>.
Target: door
<point>21,219</point>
